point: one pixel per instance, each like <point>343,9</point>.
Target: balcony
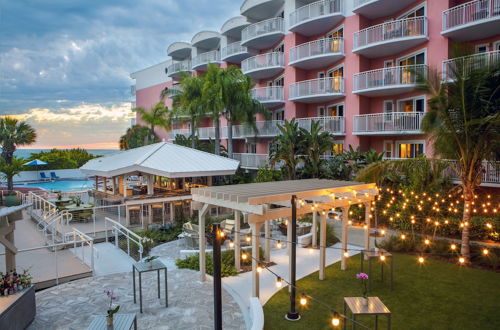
<point>260,9</point>
<point>490,175</point>
<point>390,38</point>
<point>252,161</point>
<point>207,40</point>
<point>174,90</point>
<point>317,90</point>
<point>264,34</point>
<point>177,68</point>
<point>179,51</point>
<point>234,53</point>
<point>205,133</point>
<point>201,61</point>
<point>270,96</point>
<point>388,81</point>
<point>268,128</point>
<point>317,54</point>
<point>317,17</point>
<point>473,20</point>
<point>463,65</point>
<point>263,66</point>
<point>393,123</point>
<point>373,9</point>
<point>232,28</point>
<point>173,133</point>
<point>333,124</point>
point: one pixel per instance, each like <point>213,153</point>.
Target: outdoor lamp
<point>303,299</point>
<point>336,320</point>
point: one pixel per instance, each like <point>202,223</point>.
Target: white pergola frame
<point>263,202</point>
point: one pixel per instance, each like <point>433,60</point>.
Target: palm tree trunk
<point>152,134</point>
<point>217,136</point>
<point>230,138</point>
<point>193,133</point>
<point>466,219</point>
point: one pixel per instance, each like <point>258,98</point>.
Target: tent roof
<point>163,159</point>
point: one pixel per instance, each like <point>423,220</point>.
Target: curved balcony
<point>263,66</point>
<point>388,81</point>
<point>317,90</point>
<point>177,68</point>
<point>331,124</point>
<point>260,9</point>
<point>373,9</point>
<point>270,96</point>
<point>391,123</point>
<point>264,34</point>
<point>472,20</point>
<point>174,91</point>
<point>206,40</point>
<point>463,65</point>
<point>232,28</point>
<point>179,50</point>
<point>391,37</point>
<point>234,53</point>
<point>317,53</point>
<point>200,62</point>
<point>317,17</point>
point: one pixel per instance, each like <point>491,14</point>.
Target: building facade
<point>351,64</point>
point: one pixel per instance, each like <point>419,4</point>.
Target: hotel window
<point>338,147</point>
<point>279,114</point>
<point>321,112</point>
<point>279,81</point>
<point>410,149</point>
<point>481,48</point>
<point>280,48</point>
<point>336,74</point>
<point>496,45</point>
<point>415,12</point>
<point>408,76</point>
<point>336,110</point>
<point>412,105</point>
<point>251,148</point>
<point>388,110</point>
<point>388,146</point>
<point>335,44</point>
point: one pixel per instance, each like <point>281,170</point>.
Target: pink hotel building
<point>349,63</point>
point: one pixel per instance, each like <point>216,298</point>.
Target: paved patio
<point>71,305</point>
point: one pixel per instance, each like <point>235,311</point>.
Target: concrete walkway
<point>108,259</point>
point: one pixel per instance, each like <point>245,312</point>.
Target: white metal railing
<point>206,132</point>
<point>253,161</point>
<point>233,49</point>
<point>314,87</point>
<point>388,77</point>
<point>470,12</point>
<point>490,172</point>
<point>268,94</point>
<point>358,3</point>
<point>263,61</point>
<point>466,64</point>
<point>212,56</point>
<point>330,124</point>
<point>315,10</point>
<point>76,238</point>
<point>182,66</point>
<point>173,133</point>
<point>388,122</point>
<point>393,30</point>
<point>317,48</point>
<point>265,27</point>
<point>118,229</point>
<point>266,128</point>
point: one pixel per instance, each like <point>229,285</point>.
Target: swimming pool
<point>61,185</point>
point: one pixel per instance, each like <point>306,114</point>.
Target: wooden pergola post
<point>314,230</point>
<point>322,247</point>
<point>255,257</point>
<point>345,238</point>
<point>367,223</point>
<point>124,186</point>
<point>267,241</point>
<point>237,251</point>
<point>201,240</point>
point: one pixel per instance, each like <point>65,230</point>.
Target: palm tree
<point>287,147</point>
<point>136,136</point>
<point>212,99</point>
<point>318,143</point>
<point>10,170</point>
<point>158,116</point>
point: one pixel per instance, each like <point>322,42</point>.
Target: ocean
<point>26,153</point>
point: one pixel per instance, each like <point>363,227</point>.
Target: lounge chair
<point>43,176</point>
<point>53,175</point>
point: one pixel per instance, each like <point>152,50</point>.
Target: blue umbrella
<point>36,162</point>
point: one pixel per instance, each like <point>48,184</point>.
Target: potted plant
<point>363,279</point>
<point>111,311</point>
<point>9,171</point>
<point>149,260</point>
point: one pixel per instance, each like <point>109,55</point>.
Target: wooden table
<point>143,267</point>
<point>375,307</point>
<point>372,254</point>
<point>120,322</point>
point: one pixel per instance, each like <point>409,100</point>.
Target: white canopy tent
<point>263,202</point>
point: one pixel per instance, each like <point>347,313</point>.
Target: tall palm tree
<point>287,147</point>
<point>135,136</point>
<point>213,100</point>
<point>318,143</point>
<point>158,116</point>
<point>14,133</point>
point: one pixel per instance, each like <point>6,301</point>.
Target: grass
<point>436,295</point>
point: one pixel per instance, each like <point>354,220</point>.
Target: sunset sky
<point>65,65</point>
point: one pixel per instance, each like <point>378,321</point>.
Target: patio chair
<point>44,177</point>
<point>53,175</point>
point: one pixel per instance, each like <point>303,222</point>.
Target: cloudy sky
<point>65,64</point>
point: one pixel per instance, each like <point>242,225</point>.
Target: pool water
<point>62,185</point>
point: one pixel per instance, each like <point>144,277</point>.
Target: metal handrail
<point>212,56</point>
<point>270,93</point>
<point>316,9</point>
<point>330,124</point>
<point>390,121</point>
<point>181,66</point>
<point>263,61</point>
<point>267,26</point>
<point>232,49</point>
<point>470,12</point>
<point>317,48</point>
<point>392,76</point>
<point>466,64</point>
<point>130,235</point>
<point>330,85</point>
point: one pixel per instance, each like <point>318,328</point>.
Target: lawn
<point>436,295</point>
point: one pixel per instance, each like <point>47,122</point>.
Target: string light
<point>382,257</point>
<point>461,260</point>
<point>279,282</point>
<point>336,320</point>
<point>303,299</point>
<point>489,225</point>
<point>453,247</point>
<point>279,245</point>
<point>259,269</point>
<point>346,254</point>
<point>244,256</point>
<point>222,234</point>
<point>427,241</point>
<point>231,244</point>
<point>248,238</point>
<point>403,236</point>
<point>485,252</point>
<point>421,260</point>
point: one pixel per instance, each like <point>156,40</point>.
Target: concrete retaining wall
<point>257,314</point>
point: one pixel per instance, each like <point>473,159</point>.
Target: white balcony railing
<point>393,30</point>
<point>316,87</point>
<point>268,26</point>
<point>358,3</point>
<point>268,94</point>
<point>205,58</point>
<point>388,122</point>
<point>233,49</point>
<point>389,77</point>
<point>490,172</point>
<point>173,133</point>
<point>466,64</point>
<point>206,132</point>
<point>268,128</point>
<point>331,124</point>
<point>263,61</point>
<point>470,12</point>
<point>314,10</point>
<point>317,48</point>
<point>253,161</point>
<point>182,66</point>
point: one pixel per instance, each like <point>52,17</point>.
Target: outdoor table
<point>374,307</point>
<point>143,267</point>
<point>120,322</point>
<point>371,254</point>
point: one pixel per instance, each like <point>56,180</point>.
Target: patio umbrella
<point>36,162</point>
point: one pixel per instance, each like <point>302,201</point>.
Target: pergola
<point>263,202</point>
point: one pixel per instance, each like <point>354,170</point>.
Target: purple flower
<point>362,276</point>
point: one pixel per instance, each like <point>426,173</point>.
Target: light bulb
<point>461,260</point>
<point>335,320</point>
<point>349,222</point>
<point>382,257</point>
<point>489,225</point>
<point>259,269</point>
<point>244,256</point>
<point>248,238</point>
<point>421,260</point>
<point>453,246</point>
<point>382,232</point>
<point>279,282</point>
<point>279,245</point>
<point>485,252</point>
<point>303,300</point>
<point>346,254</point>
<point>403,236</point>
<point>231,244</point>
<point>222,234</point>
<point>427,242</point>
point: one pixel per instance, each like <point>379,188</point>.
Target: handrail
<point>270,93</point>
<point>390,121</point>
<point>320,86</point>
<point>130,235</point>
<point>392,76</point>
<point>212,56</point>
<point>466,64</point>
<point>232,49</point>
<point>317,48</point>
<point>314,10</point>
<point>263,61</point>
<point>470,12</point>
<point>181,66</point>
<point>267,26</point>
<point>330,124</point>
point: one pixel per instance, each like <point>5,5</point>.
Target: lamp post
<point>292,314</point>
<point>217,237</point>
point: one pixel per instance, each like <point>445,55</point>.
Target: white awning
<point>162,159</point>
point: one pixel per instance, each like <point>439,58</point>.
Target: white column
<point>267,241</point>
<point>237,240</point>
<point>124,186</point>
<point>151,179</point>
<point>314,230</point>
<point>255,256</point>
<point>201,233</point>
<point>172,211</point>
<point>104,184</point>
<point>113,180</point>
<point>345,238</point>
<point>322,246</point>
<point>367,223</point>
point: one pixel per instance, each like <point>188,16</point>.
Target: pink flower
<point>362,276</point>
